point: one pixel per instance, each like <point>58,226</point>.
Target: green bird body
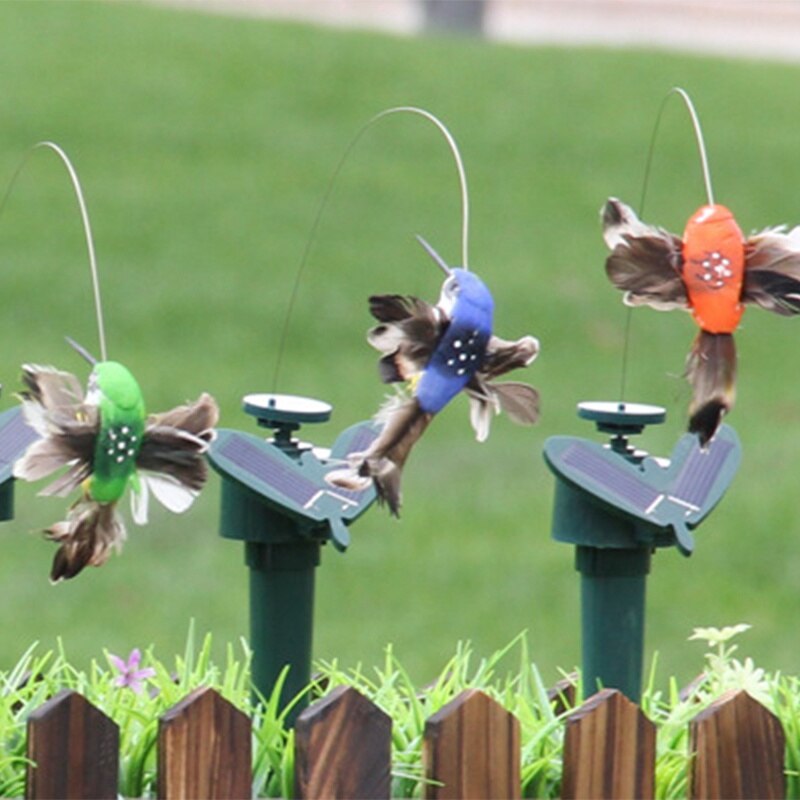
<point>122,421</point>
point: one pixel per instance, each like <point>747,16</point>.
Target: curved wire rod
<point>698,134</point>
<point>87,228</point>
<point>462,178</point>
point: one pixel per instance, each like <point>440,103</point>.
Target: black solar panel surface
<point>614,480</point>
<point>362,440</point>
<point>270,469</point>
<point>699,472</point>
<point>15,437</point>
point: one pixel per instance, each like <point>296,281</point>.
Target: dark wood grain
<point>472,750</point>
<point>609,750</point>
<point>738,748</point>
<point>74,749</point>
<point>204,749</point>
<point>343,749</point>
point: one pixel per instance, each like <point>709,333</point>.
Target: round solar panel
<point>286,408</point>
<point>621,415</point>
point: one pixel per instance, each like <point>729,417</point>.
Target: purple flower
<point>129,673</point>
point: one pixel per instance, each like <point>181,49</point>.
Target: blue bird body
<point>460,352</point>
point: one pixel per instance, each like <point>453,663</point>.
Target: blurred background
<point>205,142</point>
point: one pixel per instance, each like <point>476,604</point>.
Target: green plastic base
<point>577,519</point>
<point>613,584</point>
<point>7,501</point>
<point>282,617</point>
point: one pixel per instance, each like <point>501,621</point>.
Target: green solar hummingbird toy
<point>106,445</point>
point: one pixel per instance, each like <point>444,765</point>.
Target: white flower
<point>716,636</point>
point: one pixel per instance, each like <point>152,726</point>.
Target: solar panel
<point>295,486</point>
<point>364,437</point>
<point>699,472</point>
<point>674,498</point>
<point>355,439</point>
<point>15,436</point>
<point>269,467</point>
<point>612,478</point>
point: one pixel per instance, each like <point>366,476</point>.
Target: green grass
<point>137,694</point>
<point>204,145</point>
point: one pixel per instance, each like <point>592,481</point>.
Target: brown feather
<point>53,405</point>
<point>519,400</point>
<point>51,388</point>
<point>174,442</point>
<point>711,370</point>
<point>407,334</point>
<point>772,271</point>
<point>46,456</point>
<point>85,538</point>
<point>198,418</point>
<point>645,260</point>
<point>502,356</point>
<point>383,461</point>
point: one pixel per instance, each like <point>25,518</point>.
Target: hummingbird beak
<point>82,351</point>
<point>435,256</point>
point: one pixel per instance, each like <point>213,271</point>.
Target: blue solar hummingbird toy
<point>437,351</point>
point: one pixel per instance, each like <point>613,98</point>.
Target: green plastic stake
<point>276,500</point>
<point>616,505</point>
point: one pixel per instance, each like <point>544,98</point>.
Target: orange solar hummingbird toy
<point>712,271</point>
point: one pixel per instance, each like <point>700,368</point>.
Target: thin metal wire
<point>462,175</point>
<point>462,178</point>
<point>701,148</point>
<point>698,134</point>
<point>87,228</point>
<point>626,343</point>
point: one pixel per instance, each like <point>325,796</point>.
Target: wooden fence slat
<point>75,749</point>
<point>472,750</point>
<point>739,750</point>
<point>204,749</point>
<point>562,695</point>
<point>609,750</point>
<point>343,748</point>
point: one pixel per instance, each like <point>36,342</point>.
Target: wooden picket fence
<point>343,750</point>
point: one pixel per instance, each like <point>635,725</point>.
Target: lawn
<point>205,144</point>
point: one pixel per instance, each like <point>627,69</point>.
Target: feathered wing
<point>403,424</point>
<point>171,456</point>
<point>487,398</point>
<point>50,390</point>
<point>772,270</point>
<point>407,333</point>
<point>53,405</point>
<point>645,261</point>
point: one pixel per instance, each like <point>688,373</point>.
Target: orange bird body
<point>712,272</point>
<point>713,268</point>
